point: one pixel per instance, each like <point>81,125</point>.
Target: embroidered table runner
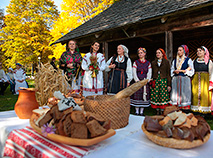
<point>27,142</point>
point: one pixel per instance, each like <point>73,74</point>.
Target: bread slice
<point>56,114</point>
<point>40,112</point>
<point>45,119</point>
<point>67,125</point>
<point>79,130</point>
<point>60,126</point>
<point>107,124</point>
<point>92,116</point>
<point>181,119</point>
<point>95,128</point>
<point>69,110</point>
<point>170,109</point>
<point>174,115</point>
<point>194,121</point>
<point>190,115</point>
<point>78,117</point>
<point>165,120</point>
<point>187,123</point>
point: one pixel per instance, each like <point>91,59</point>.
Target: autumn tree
<point>1,25</point>
<point>26,35</point>
<point>75,13</point>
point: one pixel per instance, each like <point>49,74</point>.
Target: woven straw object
<point>174,143</point>
<point>115,110</point>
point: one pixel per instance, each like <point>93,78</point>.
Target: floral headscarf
<point>185,49</point>
<point>206,56</point>
<point>181,61</point>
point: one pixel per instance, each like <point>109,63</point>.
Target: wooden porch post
<point>169,45</point>
<point>106,54</point>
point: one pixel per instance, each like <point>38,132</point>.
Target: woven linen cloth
<point>26,142</point>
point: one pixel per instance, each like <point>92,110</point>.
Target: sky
<point>4,3</point>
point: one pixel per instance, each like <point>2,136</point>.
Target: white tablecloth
<point>8,122</point>
<point>127,143</point>
<point>138,145</point>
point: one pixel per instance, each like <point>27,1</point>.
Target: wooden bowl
<point>174,143</point>
<point>69,140</point>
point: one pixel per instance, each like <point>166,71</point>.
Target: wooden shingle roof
<point>127,12</point>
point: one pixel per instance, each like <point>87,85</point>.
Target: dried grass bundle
<point>47,81</point>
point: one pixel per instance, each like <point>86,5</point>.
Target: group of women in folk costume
<point>167,85</point>
<point>160,85</point>
<point>186,94</point>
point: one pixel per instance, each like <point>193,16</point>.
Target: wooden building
<point>150,24</point>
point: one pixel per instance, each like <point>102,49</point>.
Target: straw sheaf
<point>47,81</point>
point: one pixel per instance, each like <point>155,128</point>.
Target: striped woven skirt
<point>181,92</point>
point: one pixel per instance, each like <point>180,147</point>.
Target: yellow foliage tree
<point>26,34</point>
<point>75,13</point>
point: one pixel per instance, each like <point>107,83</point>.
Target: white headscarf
<point>125,50</point>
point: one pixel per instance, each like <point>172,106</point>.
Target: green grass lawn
<point>7,102</point>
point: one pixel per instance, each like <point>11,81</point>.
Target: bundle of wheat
<point>47,81</point>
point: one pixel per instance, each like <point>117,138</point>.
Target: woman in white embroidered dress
<point>19,76</point>
<point>93,83</point>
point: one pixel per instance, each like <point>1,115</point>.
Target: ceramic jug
<point>26,103</point>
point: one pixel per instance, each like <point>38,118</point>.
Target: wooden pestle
<point>127,92</point>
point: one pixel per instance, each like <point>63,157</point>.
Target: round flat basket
<point>174,143</point>
<point>115,110</point>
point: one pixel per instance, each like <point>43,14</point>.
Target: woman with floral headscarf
<point>121,74</point>
<point>70,62</point>
<point>141,70</point>
<point>161,84</point>
<point>202,82</point>
<point>181,71</point>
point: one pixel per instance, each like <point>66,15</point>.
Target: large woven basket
<point>116,110</point>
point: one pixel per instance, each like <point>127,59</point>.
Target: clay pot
<point>26,103</point>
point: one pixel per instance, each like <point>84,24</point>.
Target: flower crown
<point>143,49</point>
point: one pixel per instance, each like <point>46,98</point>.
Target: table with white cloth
<point>129,141</point>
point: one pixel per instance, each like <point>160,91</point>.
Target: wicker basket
<point>116,110</point>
